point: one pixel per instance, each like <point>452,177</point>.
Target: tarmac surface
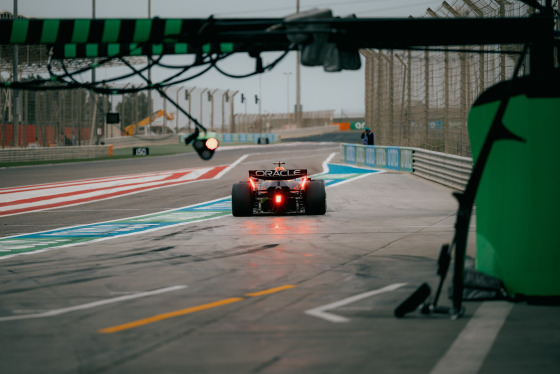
<point>270,294</point>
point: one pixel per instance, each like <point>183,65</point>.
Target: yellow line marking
<point>182,312</point>
<point>271,290</point>
<point>161,317</point>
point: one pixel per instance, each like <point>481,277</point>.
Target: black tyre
<point>241,200</point>
<point>316,198</point>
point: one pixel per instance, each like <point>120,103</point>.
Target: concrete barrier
<point>143,140</point>
<point>8,155</point>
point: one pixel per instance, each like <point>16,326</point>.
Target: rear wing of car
<point>278,174</point>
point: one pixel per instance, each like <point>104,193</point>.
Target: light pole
<point>164,125</point>
<point>150,105</point>
<point>201,92</point>
<point>190,102</point>
<point>260,102</point>
<point>177,114</point>
<point>287,74</point>
<point>15,94</point>
<point>211,97</point>
<point>225,97</point>
<point>231,113</point>
<point>298,82</point>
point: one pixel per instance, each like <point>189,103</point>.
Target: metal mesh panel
<point>421,98</point>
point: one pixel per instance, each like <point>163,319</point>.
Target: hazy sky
<point>319,90</point>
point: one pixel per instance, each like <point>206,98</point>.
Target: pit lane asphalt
<point>380,230</point>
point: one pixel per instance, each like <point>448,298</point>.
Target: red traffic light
<point>205,147</point>
<point>212,143</point>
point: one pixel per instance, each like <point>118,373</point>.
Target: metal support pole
<point>212,109</point>
<point>479,14</point>
<point>177,114</point>
<point>164,125</point>
<point>392,96</point>
<point>260,103</point>
<point>231,112</point>
<point>93,95</point>
<point>150,105</point>
<point>190,102</point>
<point>426,97</point>
<point>201,101</point>
<point>15,96</point>
<point>287,74</point>
<point>298,82</point>
<point>224,96</point>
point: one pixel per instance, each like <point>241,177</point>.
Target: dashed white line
<point>57,312</point>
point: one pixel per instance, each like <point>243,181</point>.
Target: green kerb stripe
<point>111,31</point>
<point>50,31</point>
<point>142,30</point>
<point>81,31</point>
<point>19,31</point>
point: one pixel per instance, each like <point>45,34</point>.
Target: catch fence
<point>421,98</point>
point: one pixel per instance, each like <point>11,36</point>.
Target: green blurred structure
<point>518,200</point>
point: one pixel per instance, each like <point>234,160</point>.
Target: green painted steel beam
<point>154,36</point>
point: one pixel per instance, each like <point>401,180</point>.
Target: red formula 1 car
<point>278,191</point>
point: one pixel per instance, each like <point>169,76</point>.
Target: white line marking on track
<point>320,312</point>
<point>68,242</point>
<point>468,351</point>
<point>237,162</point>
<point>326,163</point>
<point>57,312</point>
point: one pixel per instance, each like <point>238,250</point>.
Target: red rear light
<point>252,183</point>
<point>303,182</point>
<point>278,198</point>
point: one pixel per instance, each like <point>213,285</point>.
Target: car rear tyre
<point>316,198</point>
<point>241,200</point>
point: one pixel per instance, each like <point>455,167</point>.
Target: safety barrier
<point>142,140</point>
<point>9,155</point>
<point>54,153</point>
<point>452,171</point>
<point>383,157</point>
<point>264,138</point>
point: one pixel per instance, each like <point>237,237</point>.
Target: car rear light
<point>278,199</point>
<point>253,186</point>
<point>303,182</point>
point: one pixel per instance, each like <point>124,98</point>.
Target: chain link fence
<point>51,118</point>
<point>421,98</point>
<point>417,98</point>
<point>78,116</point>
